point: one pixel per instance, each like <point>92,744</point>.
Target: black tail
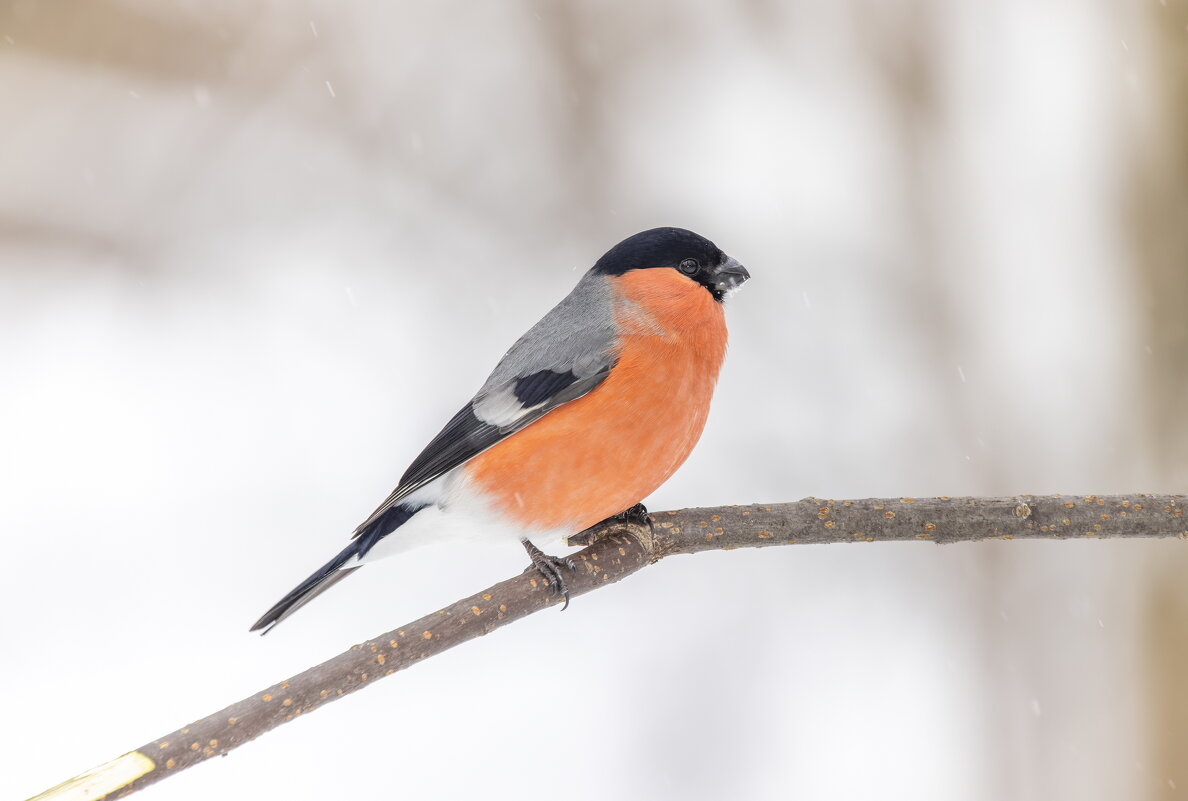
<point>323,579</point>
<point>333,571</point>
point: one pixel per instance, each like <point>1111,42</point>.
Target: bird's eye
<point>689,266</point>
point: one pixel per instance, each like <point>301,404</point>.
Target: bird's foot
<point>551,568</point>
<point>635,516</point>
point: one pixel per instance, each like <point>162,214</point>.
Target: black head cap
<point>677,249</point>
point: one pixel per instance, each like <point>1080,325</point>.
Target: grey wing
<point>561,358</point>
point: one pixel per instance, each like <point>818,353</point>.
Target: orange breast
<point>602,453</point>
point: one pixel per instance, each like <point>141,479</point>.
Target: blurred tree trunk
<point>568,34</point>
<point>903,45</point>
<point>1167,665</point>
<point>1158,213</point>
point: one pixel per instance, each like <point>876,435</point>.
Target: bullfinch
<point>587,414</point>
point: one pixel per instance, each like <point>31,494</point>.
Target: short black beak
<point>729,275</point>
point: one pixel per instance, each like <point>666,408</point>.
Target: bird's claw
<point>638,515</point>
<point>551,568</point>
<point>635,516</point>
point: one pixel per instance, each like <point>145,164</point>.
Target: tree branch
<point>612,553</point>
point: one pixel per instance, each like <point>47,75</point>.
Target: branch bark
<point>612,553</point>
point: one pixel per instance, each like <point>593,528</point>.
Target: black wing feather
<point>542,385</point>
<point>465,436</point>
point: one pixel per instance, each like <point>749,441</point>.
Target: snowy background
<point>253,254</point>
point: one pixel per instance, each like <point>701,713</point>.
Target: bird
<point>586,415</point>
